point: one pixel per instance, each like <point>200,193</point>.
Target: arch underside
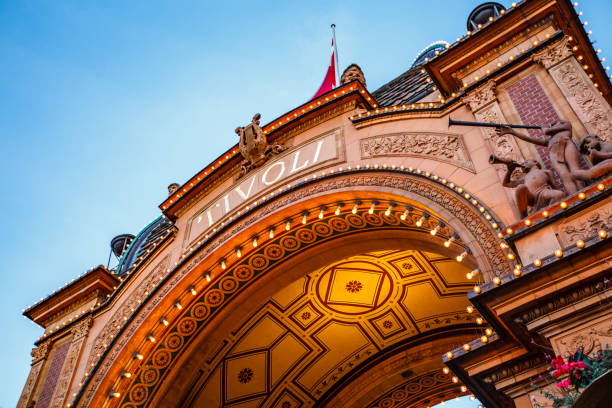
<point>357,320</point>
<point>204,332</point>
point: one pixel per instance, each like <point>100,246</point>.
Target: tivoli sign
<point>275,173</point>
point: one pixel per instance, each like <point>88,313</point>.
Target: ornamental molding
<point>82,329</point>
<point>122,314</point>
<point>553,54</point>
<point>41,352</point>
<point>466,215</point>
<point>481,96</point>
<point>560,301</point>
<point>26,394</point>
<point>448,147</point>
<point>515,368</point>
<point>586,100</point>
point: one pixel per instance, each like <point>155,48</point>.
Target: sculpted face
<point>531,163</point>
<point>351,73</point>
<point>590,142</point>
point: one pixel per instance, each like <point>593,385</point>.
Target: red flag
<point>331,79</point>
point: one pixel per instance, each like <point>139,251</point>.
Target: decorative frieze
<point>585,226</point>
<point>515,368</point>
<point>437,146</point>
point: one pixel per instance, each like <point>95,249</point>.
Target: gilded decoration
<point>365,303</point>
<point>584,98</point>
<point>437,146</point>
<point>452,202</point>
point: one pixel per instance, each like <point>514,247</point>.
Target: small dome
<point>482,13</point>
<point>429,52</point>
<point>120,243</point>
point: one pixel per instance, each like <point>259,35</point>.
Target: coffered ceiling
<point>315,331</point>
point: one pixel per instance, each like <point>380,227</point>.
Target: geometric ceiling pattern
<point>316,330</point>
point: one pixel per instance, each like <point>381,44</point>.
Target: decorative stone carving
<point>585,99</point>
<point>26,394</point>
<point>79,334</point>
<point>40,353</point>
<point>481,96</point>
<point>172,188</point>
<point>130,304</point>
<point>351,73</point>
<point>254,145</point>
<point>439,146</point>
<point>515,368</point>
<point>553,54</point>
<point>593,338</point>
<point>559,301</point>
<point>586,226</point>
<point>82,329</point>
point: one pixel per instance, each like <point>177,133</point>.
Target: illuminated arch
<point>445,202</point>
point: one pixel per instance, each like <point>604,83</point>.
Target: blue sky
<point>103,104</point>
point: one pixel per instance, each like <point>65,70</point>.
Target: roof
<point>146,240</point>
<point>411,86</point>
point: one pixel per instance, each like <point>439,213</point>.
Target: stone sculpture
<point>254,145</point>
<point>564,155</point>
<point>599,153</point>
<point>534,188</point>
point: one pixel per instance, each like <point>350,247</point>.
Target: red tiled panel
<point>44,399</point>
<point>534,108</point>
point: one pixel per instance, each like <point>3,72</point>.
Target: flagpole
<point>335,50</point>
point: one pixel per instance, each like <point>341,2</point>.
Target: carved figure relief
<point>584,98</point>
<point>440,146</point>
<point>254,146</point>
<point>591,339</point>
<point>586,226</point>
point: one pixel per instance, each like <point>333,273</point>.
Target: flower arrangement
<point>573,375</point>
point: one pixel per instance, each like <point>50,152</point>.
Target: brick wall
<point>534,108</point>
<point>55,368</point>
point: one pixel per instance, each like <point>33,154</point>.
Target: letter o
<point>280,173</point>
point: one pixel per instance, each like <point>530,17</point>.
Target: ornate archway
<point>322,220</point>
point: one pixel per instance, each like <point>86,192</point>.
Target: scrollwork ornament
<point>481,96</point>
<point>553,54</point>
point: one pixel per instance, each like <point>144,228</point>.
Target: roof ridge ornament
<point>254,146</point>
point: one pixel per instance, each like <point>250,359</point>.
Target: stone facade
<point>324,257</point>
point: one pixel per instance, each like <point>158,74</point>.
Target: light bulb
<point>321,213</point>
<point>288,225</point>
<point>449,241</point>
<point>193,291</point>
<point>371,210</point>
<point>238,252</point>
<point>271,233</point>
<point>354,210</point>
<point>435,230</point>
<point>304,218</point>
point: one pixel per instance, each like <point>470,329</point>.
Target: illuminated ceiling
<point>315,331</point>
